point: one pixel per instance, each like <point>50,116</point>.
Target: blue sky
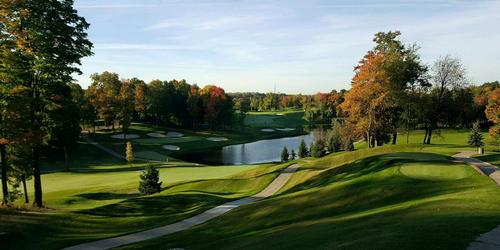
<point>299,46</point>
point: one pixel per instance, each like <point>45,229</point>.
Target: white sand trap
<point>156,135</point>
<point>125,136</point>
<point>174,134</point>
<point>285,129</point>
<point>217,138</point>
<point>171,147</point>
<point>267,130</point>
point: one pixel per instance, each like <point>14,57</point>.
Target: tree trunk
<point>26,198</point>
<point>36,176</point>
<point>394,137</point>
<point>429,136</point>
<point>5,188</point>
<point>425,136</point>
<point>66,165</point>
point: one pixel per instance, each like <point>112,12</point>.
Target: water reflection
<point>253,152</point>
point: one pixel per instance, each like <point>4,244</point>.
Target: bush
<point>284,155</point>
<point>149,183</point>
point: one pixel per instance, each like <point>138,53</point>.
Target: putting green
<point>434,170</point>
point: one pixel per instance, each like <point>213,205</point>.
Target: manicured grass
<point>95,205</point>
<point>366,203</point>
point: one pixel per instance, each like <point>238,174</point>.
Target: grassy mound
<point>347,202</point>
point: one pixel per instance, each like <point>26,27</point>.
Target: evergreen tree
<point>476,138</point>
<point>129,153</point>
<point>150,181</point>
<point>317,149</point>
<point>284,155</point>
<point>303,152</point>
<point>293,155</point>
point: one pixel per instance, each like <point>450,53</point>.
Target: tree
<point>302,151</point>
<point>284,155</point>
<point>494,132</point>
<point>104,93</point>
<point>140,103</point>
<point>34,27</point>
<point>126,103</point>
<point>149,181</point>
<point>293,155</point>
<point>404,71</point>
<point>64,126</point>
<point>318,148</point>
<point>129,153</point>
<point>367,104</point>
<point>475,137</point>
<point>448,73</point>
<point>217,106</point>
<point>349,145</point>
<point>492,110</point>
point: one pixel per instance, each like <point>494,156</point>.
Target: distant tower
<point>275,88</point>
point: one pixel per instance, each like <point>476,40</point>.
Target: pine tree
<point>293,155</point>
<point>476,138</point>
<point>303,152</point>
<point>284,155</point>
<point>129,153</point>
<point>149,181</point>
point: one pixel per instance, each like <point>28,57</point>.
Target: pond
<point>250,153</point>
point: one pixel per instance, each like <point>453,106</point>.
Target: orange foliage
<point>493,108</point>
<point>367,99</point>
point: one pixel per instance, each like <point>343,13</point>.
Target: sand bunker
<point>171,147</point>
<point>174,134</point>
<point>217,138</point>
<point>285,129</point>
<point>156,135</point>
<point>267,130</point>
<point>125,136</point>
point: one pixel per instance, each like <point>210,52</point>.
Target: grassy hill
<point>387,198</point>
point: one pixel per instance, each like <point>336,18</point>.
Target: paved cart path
<point>491,239</point>
<point>275,186</point>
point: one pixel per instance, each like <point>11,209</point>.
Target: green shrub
<point>150,181</point>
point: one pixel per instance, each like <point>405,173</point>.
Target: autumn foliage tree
<point>29,31</point>
<point>366,104</point>
<point>217,106</point>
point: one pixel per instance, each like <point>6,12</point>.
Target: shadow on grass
<point>157,205</point>
<point>107,196</point>
<point>365,166</point>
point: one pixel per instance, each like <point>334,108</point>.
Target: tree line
<point>393,90</point>
<point>110,99</point>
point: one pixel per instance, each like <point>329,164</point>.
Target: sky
<point>293,46</point>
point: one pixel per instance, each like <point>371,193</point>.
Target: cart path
<point>271,189</point>
<point>491,239</point>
